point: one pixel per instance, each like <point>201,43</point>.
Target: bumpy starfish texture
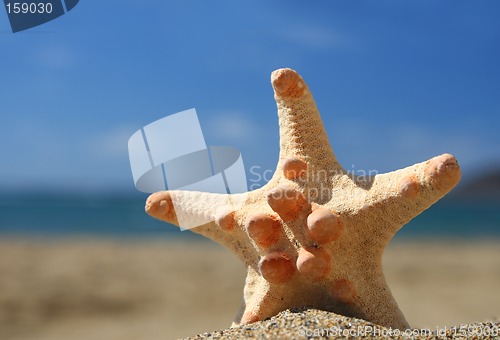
<point>314,235</point>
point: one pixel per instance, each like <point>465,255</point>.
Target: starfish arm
<point>302,134</point>
<point>208,214</point>
<point>399,196</point>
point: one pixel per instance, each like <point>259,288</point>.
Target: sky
<point>397,82</point>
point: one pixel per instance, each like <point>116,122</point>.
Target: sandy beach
<point>159,289</point>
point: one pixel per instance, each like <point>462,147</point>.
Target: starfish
<point>314,235</point>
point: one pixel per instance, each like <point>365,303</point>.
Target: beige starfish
<point>315,234</point>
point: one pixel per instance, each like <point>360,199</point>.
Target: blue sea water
<point>124,216</point>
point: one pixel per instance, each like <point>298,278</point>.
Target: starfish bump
<point>314,235</point>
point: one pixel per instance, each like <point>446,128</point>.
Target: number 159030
<point>32,8</point>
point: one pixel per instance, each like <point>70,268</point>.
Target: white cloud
<point>313,36</point>
<point>387,147</point>
<point>257,141</point>
<point>111,143</point>
<point>232,126</point>
<point>40,152</point>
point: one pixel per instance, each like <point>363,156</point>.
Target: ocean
<point>42,215</point>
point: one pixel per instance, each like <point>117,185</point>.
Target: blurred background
<point>396,82</point>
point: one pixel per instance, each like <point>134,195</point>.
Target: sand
<point>317,324</point>
<point>159,289</point>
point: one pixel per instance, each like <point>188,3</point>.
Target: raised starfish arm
<point>302,134</point>
<point>407,192</point>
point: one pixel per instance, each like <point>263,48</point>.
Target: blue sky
<point>397,82</point>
